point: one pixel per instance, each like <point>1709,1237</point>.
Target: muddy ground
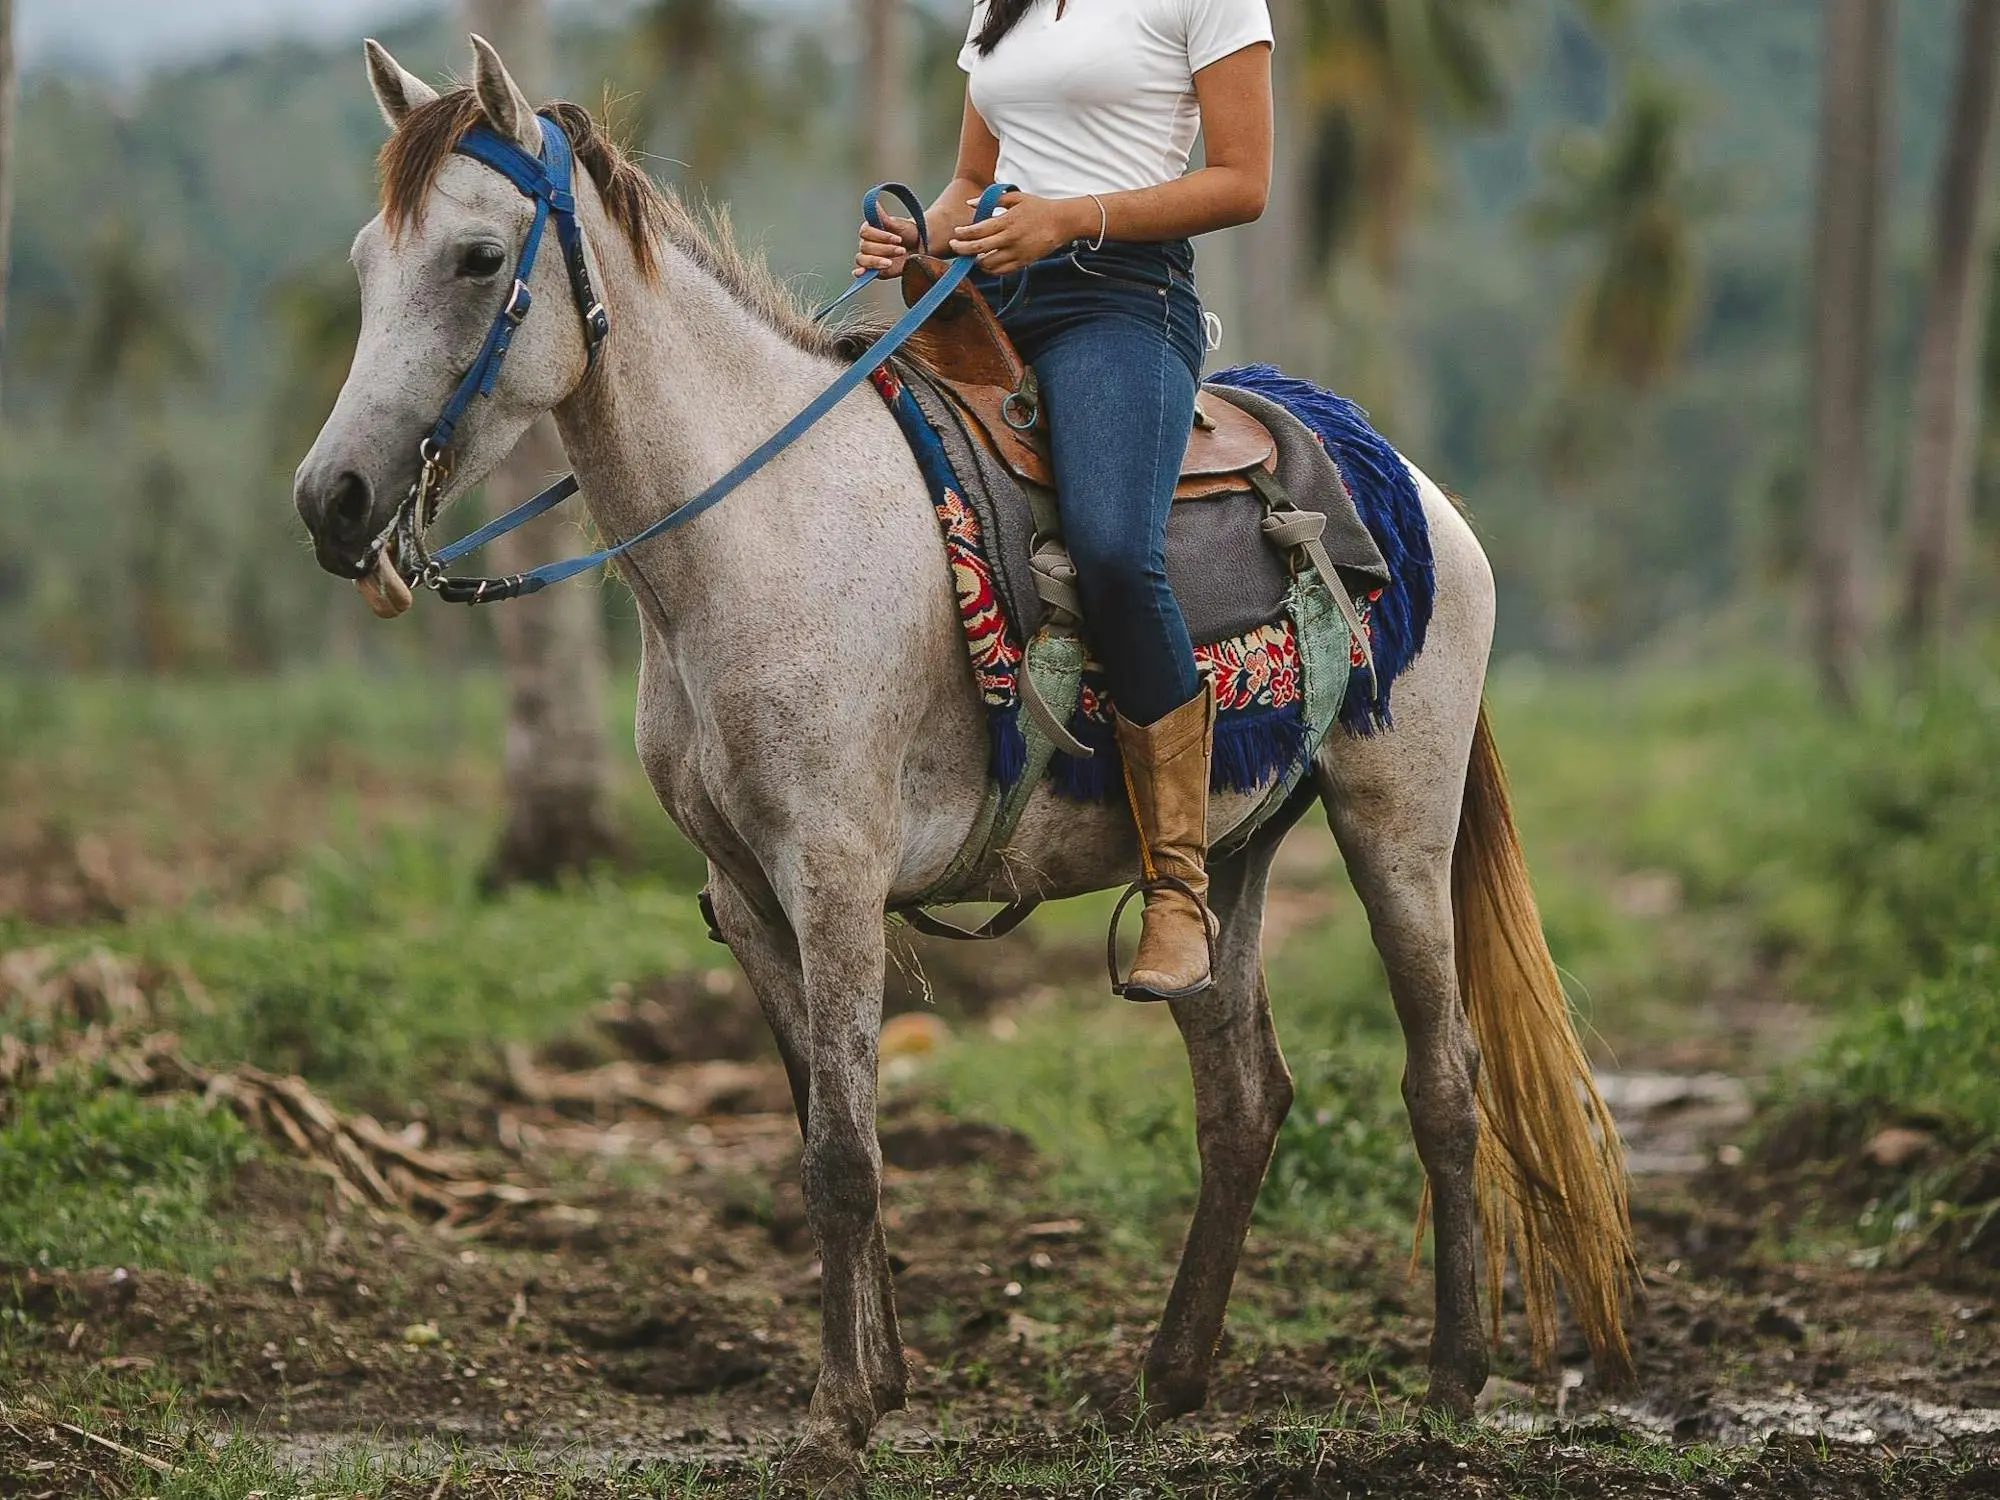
<point>649,1323</point>
<point>663,1306</point>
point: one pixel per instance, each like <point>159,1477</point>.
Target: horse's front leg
<point>836,916</point>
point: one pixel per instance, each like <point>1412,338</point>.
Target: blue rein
<point>546,180</point>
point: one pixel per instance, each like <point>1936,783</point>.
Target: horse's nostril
<point>350,503</point>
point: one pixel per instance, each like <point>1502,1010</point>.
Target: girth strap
<point>1002,922</point>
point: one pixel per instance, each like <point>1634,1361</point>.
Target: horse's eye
<point>482,260</point>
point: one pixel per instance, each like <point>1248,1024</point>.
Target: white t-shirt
<point>1102,100</point>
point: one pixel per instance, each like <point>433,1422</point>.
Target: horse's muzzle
<point>339,512</point>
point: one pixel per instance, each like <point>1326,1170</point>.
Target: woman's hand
<point>886,250</point>
<point>1029,229</point>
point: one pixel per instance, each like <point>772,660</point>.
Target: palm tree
<point>1946,431</point>
<point>1363,88</point>
<point>558,754</point>
<point>8,84</point>
<point>1627,192</point>
<point>1278,298</point>
<point>1378,78</point>
<point>318,313</point>
<point>1853,136</point>
<point>133,338</point>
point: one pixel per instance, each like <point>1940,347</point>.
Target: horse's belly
<point>1067,848</point>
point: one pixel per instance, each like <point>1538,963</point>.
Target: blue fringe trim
<point>1251,751</point>
<point>1009,746</point>
<point>1393,512</point>
<point>1101,778</point>
<point>1254,749</point>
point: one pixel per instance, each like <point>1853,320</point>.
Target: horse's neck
<point>691,381</point>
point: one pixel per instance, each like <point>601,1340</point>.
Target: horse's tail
<point>1550,1168</point>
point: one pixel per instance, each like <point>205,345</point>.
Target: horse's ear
<point>397,90</point>
<point>506,108</point>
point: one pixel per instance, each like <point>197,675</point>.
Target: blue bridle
<point>546,180</point>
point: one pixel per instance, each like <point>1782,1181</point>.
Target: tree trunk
<point>888,143</point>
<point>9,83</point>
<point>1277,308</point>
<point>1946,427</point>
<point>1853,135</point>
<point>558,755</point>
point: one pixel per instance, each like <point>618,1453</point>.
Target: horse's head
<point>438,268</point>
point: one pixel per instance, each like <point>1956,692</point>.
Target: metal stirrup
<point>1122,988</point>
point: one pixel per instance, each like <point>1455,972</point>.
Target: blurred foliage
<point>1627,192</point>
<point>218,198</point>
<point>1934,1052</point>
<point>133,342</point>
<point>1381,78</point>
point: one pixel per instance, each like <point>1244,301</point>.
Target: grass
<point>92,1177</point>
<point>1694,835</point>
<point>1934,1052</point>
<point>310,850</point>
<point>394,976</point>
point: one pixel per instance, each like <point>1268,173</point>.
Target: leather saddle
<point>964,346</point>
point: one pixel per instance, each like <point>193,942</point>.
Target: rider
<point>1090,108</point>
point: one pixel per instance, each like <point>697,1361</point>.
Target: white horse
<point>807,718</point>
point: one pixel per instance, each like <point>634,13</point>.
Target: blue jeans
<point>1115,338</point>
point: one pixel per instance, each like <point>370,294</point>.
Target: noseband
<point>544,180</point>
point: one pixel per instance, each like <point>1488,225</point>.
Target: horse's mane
<point>649,214</point>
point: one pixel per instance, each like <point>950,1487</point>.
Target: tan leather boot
<point>1166,778</point>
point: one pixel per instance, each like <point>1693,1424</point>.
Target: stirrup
<point>1122,988</point>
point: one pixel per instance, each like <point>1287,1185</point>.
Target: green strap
<point>1055,660</point>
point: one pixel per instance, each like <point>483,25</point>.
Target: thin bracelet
<point>1103,220</point>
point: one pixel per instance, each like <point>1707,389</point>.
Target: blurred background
<point>1688,299</point>
<point>1563,252</point>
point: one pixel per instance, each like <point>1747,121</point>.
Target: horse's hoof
<point>822,1468</point>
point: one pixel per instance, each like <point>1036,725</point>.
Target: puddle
<point>1865,1418</point>
<point>1674,1123</point>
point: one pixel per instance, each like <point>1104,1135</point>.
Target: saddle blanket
<point>1232,586</point>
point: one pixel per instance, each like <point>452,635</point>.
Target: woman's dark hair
<point>1001,17</point>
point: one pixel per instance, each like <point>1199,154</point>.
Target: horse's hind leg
<point>1242,1091</point>
<point>1393,800</point>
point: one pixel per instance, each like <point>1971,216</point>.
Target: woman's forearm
<point>1205,200</point>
